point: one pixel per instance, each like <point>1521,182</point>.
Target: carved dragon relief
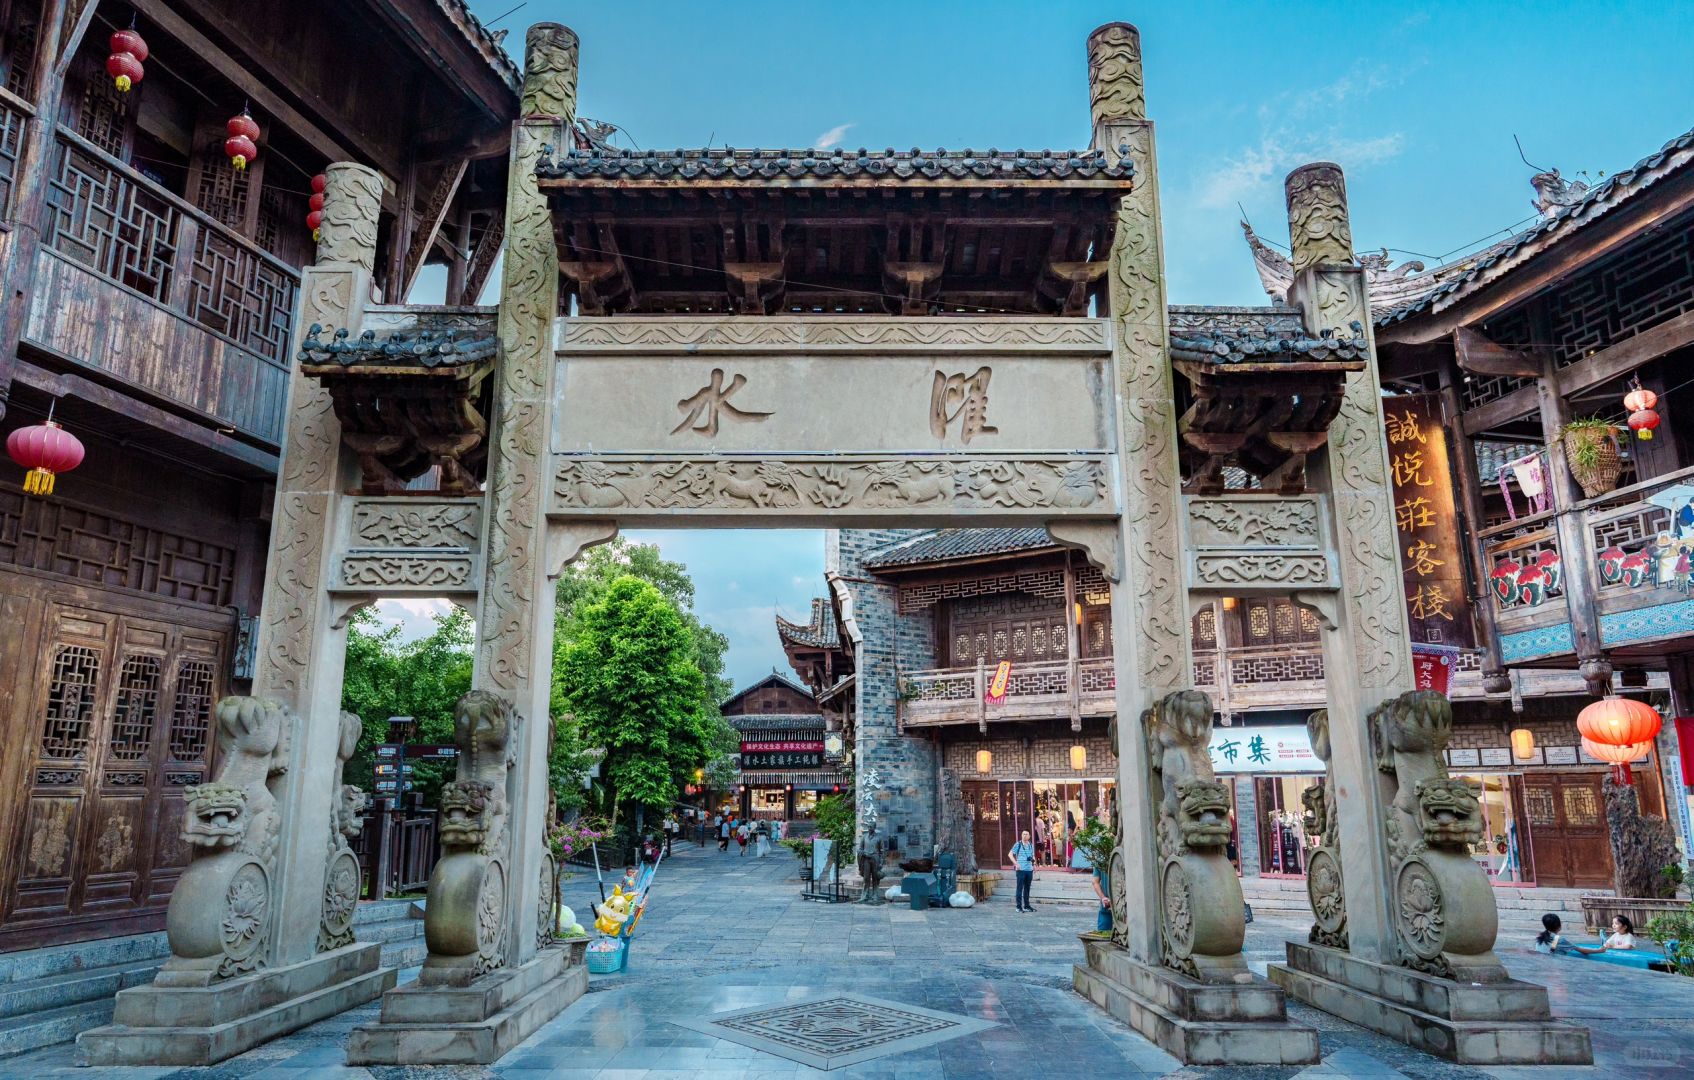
<point>837,484</point>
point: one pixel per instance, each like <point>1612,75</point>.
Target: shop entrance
<point>1052,811</point>
<point>1567,820</point>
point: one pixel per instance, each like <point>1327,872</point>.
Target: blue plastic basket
<point>605,962</point>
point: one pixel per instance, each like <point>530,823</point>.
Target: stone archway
<point>808,420</point>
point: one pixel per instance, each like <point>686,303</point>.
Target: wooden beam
<point>1479,356</point>
<point>1502,410</point>
<point>434,213</point>
<point>73,40</point>
<point>1627,355</point>
<point>257,89</point>
<point>482,261</point>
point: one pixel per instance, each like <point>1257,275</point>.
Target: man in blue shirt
<point>1023,861</point>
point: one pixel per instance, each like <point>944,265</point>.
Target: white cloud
<point>1249,173</point>
<point>832,137</point>
<point>414,617</point>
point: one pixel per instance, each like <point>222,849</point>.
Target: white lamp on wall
<point>1079,758</point>
<point>984,762</point>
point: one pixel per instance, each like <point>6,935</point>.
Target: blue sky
<point>1418,102</point>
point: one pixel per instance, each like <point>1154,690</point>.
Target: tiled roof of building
<point>1616,190</point>
<point>485,41</point>
<point>776,721</point>
<point>1090,167</point>
<point>821,633</point>
<point>422,348</point>
<point>1269,347</point>
<point>940,545</point>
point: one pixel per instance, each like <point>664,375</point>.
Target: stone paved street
<point>726,932</point>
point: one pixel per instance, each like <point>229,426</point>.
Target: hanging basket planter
<point>1591,448</point>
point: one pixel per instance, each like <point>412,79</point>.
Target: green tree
<point>586,581</point>
<point>422,679</point>
<point>630,677</point>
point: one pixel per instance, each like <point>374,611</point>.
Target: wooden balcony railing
<point>1279,676</point>
<point>1634,536</point>
<point>202,315</point>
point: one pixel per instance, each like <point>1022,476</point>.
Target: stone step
<point>54,960</point>
<point>32,1031</point>
<point>404,954</point>
<point>73,987</point>
<point>388,930</point>
<point>370,911</point>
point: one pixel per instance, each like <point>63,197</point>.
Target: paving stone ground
<point>726,932</point>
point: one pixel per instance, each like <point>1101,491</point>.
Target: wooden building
<point>784,766</point>
<point>150,290</point>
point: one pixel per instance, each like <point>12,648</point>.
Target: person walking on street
<point>763,837</point>
<point>741,832</point>
<point>671,829</point>
<point>723,833</point>
<point>1023,861</point>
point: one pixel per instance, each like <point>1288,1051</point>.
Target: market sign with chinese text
<point>997,685</point>
<point>1270,749</point>
<point>1432,667</point>
<point>782,759</point>
<point>804,746</point>
<point>1426,526</point>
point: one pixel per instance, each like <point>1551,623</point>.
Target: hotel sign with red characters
<point>1426,523</point>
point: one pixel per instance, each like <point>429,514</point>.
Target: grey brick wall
<point>906,767</point>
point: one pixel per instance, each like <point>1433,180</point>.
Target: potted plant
<point>1591,448</point>
<point>802,849</point>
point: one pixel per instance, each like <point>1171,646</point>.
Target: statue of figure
<point>341,873</point>
<point>1323,865</point>
<point>1443,906</point>
<point>465,919</point>
<point>1203,923</point>
<point>218,921</point>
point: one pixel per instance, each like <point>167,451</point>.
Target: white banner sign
<point>1274,748</point>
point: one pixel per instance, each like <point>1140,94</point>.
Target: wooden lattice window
<point>1206,628</point>
<point>223,191</point>
<point>1538,802</point>
<point>110,223</point>
<point>22,29</point>
<point>104,117</point>
<point>136,708</point>
<point>70,702</point>
<point>1582,807</point>
<point>191,712</point>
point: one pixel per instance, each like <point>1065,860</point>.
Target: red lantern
<point>1618,721</point>
<point>1642,422</point>
<point>124,65</point>
<point>242,145</point>
<point>1639,398</point>
<point>45,449</point>
<point>315,205</point>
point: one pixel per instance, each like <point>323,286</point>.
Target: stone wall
<point>904,792</point>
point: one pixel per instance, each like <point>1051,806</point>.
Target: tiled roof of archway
<point>892,165</point>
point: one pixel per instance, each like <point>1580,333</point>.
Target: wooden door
<point>114,724</point>
<point>983,797</point>
<point>1567,829</point>
<point>1015,815</point>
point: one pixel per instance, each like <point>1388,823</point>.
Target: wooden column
<point>1494,677</point>
<point>1367,655</point>
<point>1568,521</point>
<point>28,212</point>
<point>1073,650</point>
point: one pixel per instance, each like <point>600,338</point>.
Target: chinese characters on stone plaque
<point>1425,523</point>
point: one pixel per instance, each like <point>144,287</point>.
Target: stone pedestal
<point>1199,1023</point>
<point>202,1025</point>
<point>473,1024</point>
<point>1495,1023</point>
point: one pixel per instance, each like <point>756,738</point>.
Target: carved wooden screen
<point>21,20</point>
<point>1007,626</point>
<point>1262,622</point>
<point>121,713</point>
<point>227,194</point>
<point>96,110</point>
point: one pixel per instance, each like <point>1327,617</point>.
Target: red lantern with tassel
<point>45,449</point>
<point>315,204</point>
<point>128,54</point>
<point>242,146</point>
<point>1619,725</point>
<point>1640,401</point>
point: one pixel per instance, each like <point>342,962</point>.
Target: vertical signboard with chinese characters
<point>1426,525</point>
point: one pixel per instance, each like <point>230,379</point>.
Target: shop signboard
<point>1432,668</point>
<point>1561,755</point>
<point>1268,749</point>
<point>997,686</point>
<point>1426,523</point>
<point>782,759</point>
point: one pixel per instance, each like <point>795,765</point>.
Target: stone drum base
<point>202,1025</point>
<point>1501,1023</point>
<point>1197,1023</point>
<point>474,1024</point>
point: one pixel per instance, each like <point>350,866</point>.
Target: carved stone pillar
<point>222,1003</point>
<point>515,621</point>
<point>1417,912</point>
<point>1367,647</point>
<point>492,976</point>
<point>1173,968</point>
